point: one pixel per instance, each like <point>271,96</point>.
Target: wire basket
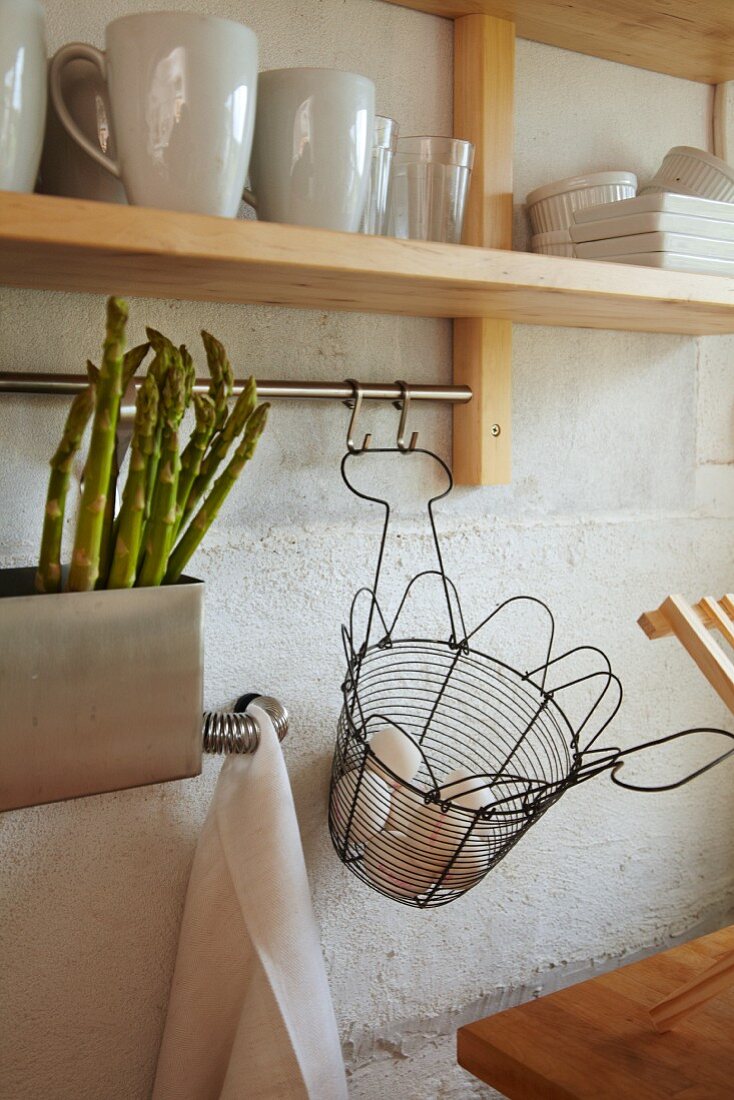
<point>478,749</point>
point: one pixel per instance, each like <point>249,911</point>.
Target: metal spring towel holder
<point>521,737</point>
<point>234,732</point>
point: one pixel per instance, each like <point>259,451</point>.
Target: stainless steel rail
<point>19,382</point>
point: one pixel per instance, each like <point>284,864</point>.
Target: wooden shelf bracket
<point>484,70</point>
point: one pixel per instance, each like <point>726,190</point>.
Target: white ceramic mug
<point>22,92</point>
<point>312,151</point>
<point>65,168</point>
<point>182,93</point>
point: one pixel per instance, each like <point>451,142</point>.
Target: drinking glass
<point>377,207</point>
<point>430,183</point>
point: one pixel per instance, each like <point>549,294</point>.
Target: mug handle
<point>74,51</point>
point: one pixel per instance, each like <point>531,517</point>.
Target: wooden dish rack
<point>692,624</point>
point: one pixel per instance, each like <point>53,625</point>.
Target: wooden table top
<point>596,1040</point>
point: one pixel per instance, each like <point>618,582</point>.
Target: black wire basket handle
<point>619,760</point>
<point>449,589</point>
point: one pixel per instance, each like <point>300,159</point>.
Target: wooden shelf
<point>688,38</point>
<point>60,244</point>
<point>66,244</point>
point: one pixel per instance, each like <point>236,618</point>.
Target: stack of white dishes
<point>553,206</point>
<point>662,229</point>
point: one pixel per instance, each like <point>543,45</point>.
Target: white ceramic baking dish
<point>681,243</point>
<point>557,243</point>
<point>653,222</point>
<point>674,261</point>
<point>552,207</point>
<point>658,203</point>
<point>695,172</point>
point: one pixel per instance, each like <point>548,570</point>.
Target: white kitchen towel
<point>250,1015</point>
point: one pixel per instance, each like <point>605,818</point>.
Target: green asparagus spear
<point>220,445</point>
<point>93,375</point>
<point>157,341</point>
<point>158,369</point>
<point>48,577</point>
<point>206,414</point>
<point>106,543</point>
<point>220,370</point>
<point>132,512</point>
<point>189,374</point>
<point>206,515</point>
<point>133,358</point>
<point>85,558</point>
<point>160,526</point>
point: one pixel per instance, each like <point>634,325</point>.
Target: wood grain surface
<point>688,38</point>
<point>596,1041</point>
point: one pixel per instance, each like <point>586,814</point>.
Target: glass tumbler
<point>430,182</point>
<point>377,206</point>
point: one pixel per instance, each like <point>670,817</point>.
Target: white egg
<point>465,790</point>
<point>397,751</point>
<point>510,802</point>
<point>429,838</point>
<point>371,807</point>
<point>390,864</point>
<point>431,835</point>
<point>470,865</point>
<point>407,803</point>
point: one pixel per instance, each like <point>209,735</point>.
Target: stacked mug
<point>22,92</point>
<point>181,90</point>
<point>173,114</point>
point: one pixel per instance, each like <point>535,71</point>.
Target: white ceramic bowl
<point>689,171</point>
<point>669,189</point>
<point>557,243</point>
<point>551,207</point>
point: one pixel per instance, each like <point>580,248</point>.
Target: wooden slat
<point>710,658</point>
<point>484,68</point>
<point>688,38</point>
<point>719,618</point>
<point>712,615</point>
<point>595,1040</point>
<point>694,993</point>
<point>68,244</point>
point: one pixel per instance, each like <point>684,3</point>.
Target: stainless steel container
<point>98,690</point>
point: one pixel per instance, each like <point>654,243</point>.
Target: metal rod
<point>60,384</point>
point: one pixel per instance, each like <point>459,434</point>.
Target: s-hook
<point>403,404</point>
<point>356,405</point>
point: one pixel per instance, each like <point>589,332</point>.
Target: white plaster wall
<point>622,492</point>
